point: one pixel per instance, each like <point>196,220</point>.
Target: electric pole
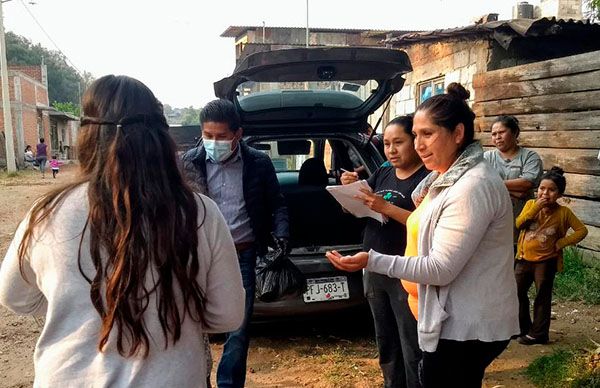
<point>8,129</point>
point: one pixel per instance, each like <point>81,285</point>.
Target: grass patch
<point>578,281</point>
<point>345,371</point>
<point>17,174</point>
<point>565,368</point>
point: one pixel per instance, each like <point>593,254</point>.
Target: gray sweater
<point>467,289</point>
<point>66,353</point>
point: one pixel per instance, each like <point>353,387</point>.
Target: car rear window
<point>255,96</point>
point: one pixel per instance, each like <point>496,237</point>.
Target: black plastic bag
<point>276,275</point>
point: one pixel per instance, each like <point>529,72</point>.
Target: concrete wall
<point>561,9</point>
<point>456,61</point>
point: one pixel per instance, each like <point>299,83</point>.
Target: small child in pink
<point>55,165</point>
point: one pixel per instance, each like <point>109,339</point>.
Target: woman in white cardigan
<point>129,267</point>
<point>468,307</point>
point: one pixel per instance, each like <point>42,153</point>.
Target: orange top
<point>412,249</point>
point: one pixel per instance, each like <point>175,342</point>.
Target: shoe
<point>529,340</point>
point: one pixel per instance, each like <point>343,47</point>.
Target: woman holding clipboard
<point>392,185</point>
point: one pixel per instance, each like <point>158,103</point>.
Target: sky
<point>175,47</point>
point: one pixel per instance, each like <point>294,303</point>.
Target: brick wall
<point>34,72</point>
<point>27,91</point>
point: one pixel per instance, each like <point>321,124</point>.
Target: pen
<point>344,170</point>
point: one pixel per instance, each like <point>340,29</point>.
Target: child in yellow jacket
<point>543,226</point>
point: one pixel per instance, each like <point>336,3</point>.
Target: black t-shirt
<point>390,238</point>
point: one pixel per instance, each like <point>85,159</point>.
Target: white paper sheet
<point>345,195</point>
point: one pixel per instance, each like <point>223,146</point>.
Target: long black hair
<point>142,216</point>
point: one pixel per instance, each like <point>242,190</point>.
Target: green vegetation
<point>578,281</point>
<point>566,368</point>
<point>592,9</point>
<point>68,107</point>
<point>190,116</point>
<point>64,82</point>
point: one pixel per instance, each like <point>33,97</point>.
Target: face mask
<point>218,150</point>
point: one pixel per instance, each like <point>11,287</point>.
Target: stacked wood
<point>557,103</point>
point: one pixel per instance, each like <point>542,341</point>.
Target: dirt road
<point>306,354</point>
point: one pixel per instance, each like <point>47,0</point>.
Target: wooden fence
<point>557,103</point>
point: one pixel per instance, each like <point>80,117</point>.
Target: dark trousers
<point>459,363</point>
<point>542,274</point>
<point>395,330</point>
<point>232,367</point>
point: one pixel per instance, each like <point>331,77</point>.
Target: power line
<point>51,40</point>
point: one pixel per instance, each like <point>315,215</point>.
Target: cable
<point>51,40</point>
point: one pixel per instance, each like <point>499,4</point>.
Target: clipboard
<point>345,195</point>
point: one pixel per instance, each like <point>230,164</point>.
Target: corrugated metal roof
<point>63,115</point>
<point>235,31</point>
<point>503,30</point>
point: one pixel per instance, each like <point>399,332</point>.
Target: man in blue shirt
<point>243,183</point>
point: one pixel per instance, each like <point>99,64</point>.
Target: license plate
<point>326,289</point>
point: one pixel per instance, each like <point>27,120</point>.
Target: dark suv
<point>308,109</point>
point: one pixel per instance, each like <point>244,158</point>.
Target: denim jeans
<point>232,367</point>
<point>42,163</point>
<point>395,331</point>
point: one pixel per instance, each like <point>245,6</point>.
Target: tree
<point>67,107</point>
<point>63,80</point>
<point>592,10</point>
<point>190,116</point>
<point>86,79</point>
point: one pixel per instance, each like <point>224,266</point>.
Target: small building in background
<point>33,117</point>
<point>251,39</point>
<point>561,9</point>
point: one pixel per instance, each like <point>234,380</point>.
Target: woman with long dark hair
<point>128,265</point>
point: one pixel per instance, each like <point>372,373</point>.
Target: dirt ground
<point>302,354</point>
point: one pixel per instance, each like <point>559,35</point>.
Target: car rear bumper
<point>294,305</point>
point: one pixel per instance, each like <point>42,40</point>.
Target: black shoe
<point>529,340</point>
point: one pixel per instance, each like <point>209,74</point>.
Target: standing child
<point>55,165</point>
<point>543,226</point>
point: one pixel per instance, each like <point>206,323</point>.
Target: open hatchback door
<point>328,88</point>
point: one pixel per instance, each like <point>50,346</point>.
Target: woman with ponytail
<point>130,268</point>
<point>464,261</point>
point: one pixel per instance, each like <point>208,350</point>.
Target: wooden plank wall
<point>557,103</point>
